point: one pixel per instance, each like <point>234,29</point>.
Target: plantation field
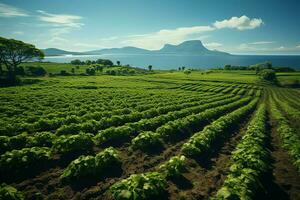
<point>167,135</point>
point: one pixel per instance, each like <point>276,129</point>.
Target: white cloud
<point>60,20</point>
<point>298,46</point>
<point>240,23</point>
<point>213,45</point>
<point>10,11</point>
<point>157,39</point>
<point>261,42</point>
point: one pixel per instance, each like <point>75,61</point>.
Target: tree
<point>268,74</point>
<point>227,67</point>
<point>179,68</point>
<point>150,67</point>
<point>105,62</point>
<point>90,71</point>
<point>99,68</point>
<point>118,63</point>
<point>76,62</point>
<point>73,70</point>
<point>187,72</point>
<point>88,62</point>
<point>14,52</point>
<point>183,68</point>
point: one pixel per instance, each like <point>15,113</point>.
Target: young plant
<point>174,167</point>
<point>146,186</point>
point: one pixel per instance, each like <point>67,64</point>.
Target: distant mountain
<point>192,47</point>
<point>59,52</point>
<point>123,50</point>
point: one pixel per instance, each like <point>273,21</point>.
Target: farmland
<point>166,135</point>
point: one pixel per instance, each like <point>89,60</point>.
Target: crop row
<point>186,126</point>
<point>289,138</point>
<point>118,120</point>
<point>131,129</point>
<point>202,141</point>
<point>291,111</point>
<point>153,185</point>
<point>250,161</point>
<point>48,139</point>
<point>55,120</point>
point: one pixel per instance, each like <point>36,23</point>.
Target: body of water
<point>160,61</point>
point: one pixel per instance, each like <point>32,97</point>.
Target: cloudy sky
<point>235,26</point>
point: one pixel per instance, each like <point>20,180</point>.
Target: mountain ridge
<point>190,47</point>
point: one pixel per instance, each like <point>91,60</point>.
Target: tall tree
<point>14,52</point>
<point>150,67</point>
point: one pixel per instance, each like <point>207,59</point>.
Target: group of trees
<point>104,62</point>
<point>12,54</point>
<point>258,67</point>
<point>181,68</point>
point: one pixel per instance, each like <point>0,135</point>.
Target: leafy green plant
<point>150,185</point>
<point>174,167</point>
<point>8,192</point>
<point>73,143</point>
<point>16,161</point>
<point>88,166</point>
<point>146,141</point>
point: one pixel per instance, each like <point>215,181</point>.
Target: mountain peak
<point>191,46</point>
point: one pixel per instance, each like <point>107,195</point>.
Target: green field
<point>163,135</point>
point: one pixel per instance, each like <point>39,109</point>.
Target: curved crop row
<point>250,161</point>
<point>189,124</point>
<point>53,120</point>
<point>290,139</point>
<point>124,132</point>
<point>202,141</point>
<point>294,113</point>
<point>118,120</point>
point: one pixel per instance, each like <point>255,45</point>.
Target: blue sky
<point>235,26</point>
